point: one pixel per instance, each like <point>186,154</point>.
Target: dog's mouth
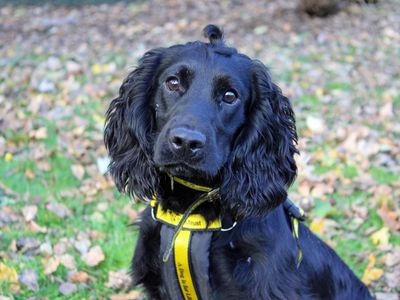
<point>188,172</point>
<point>180,169</point>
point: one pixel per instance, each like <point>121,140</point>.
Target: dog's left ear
<point>262,165</point>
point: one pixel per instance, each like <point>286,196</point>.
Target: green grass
<point>349,171</point>
<point>117,237</point>
<point>382,176</point>
<point>344,86</point>
<point>348,249</point>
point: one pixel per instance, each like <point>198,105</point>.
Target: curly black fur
<point>208,114</point>
<point>262,165</point>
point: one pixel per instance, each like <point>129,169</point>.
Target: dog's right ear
<point>262,165</point>
<point>128,130</point>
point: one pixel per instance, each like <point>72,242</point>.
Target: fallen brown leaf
<point>393,258</point>
<point>8,274</point>
<point>82,245</point>
<point>381,237</point>
<point>33,226</point>
<point>67,261</point>
<point>393,278</point>
<point>318,226</point>
<point>132,295</point>
<point>94,256</point>
<point>60,248</point>
<point>46,249</point>
<point>13,246</point>
<point>67,288</point>
<point>389,217</point>
<point>315,124</point>
<point>59,209</point>
<point>43,165</point>
<point>28,245</point>
<point>96,235</point>
<point>371,273</point>
<point>7,214</point>
<point>39,134</point>
<point>102,206</point>
<point>29,174</point>
<point>387,296</point>
<point>78,171</point>
<point>79,277</point>
<point>29,278</point>
<point>50,265</point>
<point>118,280</point>
<point>29,212</point>
<point>78,131</point>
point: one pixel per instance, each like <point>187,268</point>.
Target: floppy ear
<point>128,130</point>
<point>262,165</point>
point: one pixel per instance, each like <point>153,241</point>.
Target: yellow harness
<point>187,224</point>
<point>181,244</point>
<point>184,227</point>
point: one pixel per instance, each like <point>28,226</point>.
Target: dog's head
<point>208,114</point>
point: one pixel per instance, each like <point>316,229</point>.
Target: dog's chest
<point>186,272</point>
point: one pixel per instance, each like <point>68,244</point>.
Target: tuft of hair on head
<point>214,34</point>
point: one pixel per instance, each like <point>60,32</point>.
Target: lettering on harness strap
<point>181,255</point>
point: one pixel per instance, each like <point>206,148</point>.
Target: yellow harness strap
<point>296,238</point>
<point>182,255</point>
<point>185,226</point>
<point>192,222</point>
<point>295,217</point>
<point>191,185</point>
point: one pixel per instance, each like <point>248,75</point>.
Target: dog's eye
<point>229,96</point>
<point>173,84</point>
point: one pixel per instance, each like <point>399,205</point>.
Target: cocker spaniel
<point>201,132</point>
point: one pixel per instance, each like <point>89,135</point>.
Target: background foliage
<point>63,228</point>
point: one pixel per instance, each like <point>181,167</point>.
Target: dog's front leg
<point>145,262</point>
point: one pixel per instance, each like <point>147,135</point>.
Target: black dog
<point>202,114</point>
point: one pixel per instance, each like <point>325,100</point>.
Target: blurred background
<point>64,230</point>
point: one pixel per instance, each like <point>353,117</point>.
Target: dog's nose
<point>186,141</point>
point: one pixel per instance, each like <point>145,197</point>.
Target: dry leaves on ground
<point>93,257</point>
